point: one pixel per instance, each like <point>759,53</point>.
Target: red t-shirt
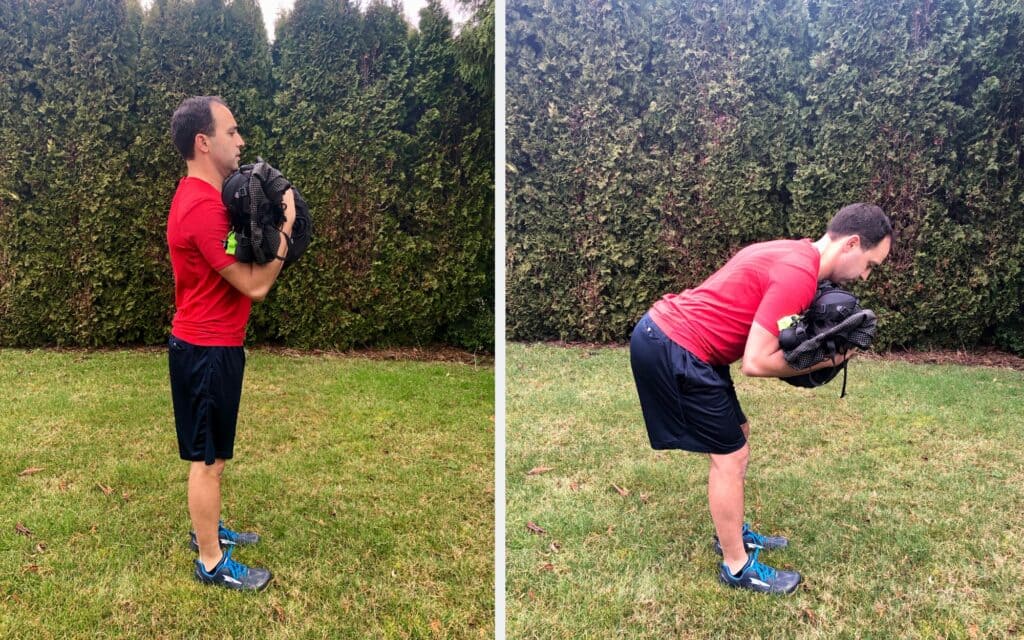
<point>209,311</point>
<point>764,282</point>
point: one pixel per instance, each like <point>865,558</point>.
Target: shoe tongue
<point>751,559</point>
<point>225,555</point>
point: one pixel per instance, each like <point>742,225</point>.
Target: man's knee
<point>214,470</point>
<point>734,463</point>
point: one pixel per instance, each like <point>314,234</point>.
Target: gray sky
<point>270,9</point>
<point>412,8</point>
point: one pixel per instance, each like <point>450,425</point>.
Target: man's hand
<point>288,198</point>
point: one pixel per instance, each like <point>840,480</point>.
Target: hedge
<point>383,128</point>
<point>648,141</point>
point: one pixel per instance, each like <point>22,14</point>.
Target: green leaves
<point>390,145</point>
<point>676,132</point>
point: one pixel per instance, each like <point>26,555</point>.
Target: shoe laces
<point>227,533</point>
<point>236,569</point>
<point>753,535</point>
<point>763,571</point>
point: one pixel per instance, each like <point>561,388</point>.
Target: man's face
<point>854,262</point>
<point>225,145</point>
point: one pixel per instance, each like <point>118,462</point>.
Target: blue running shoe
<point>753,541</point>
<point>760,577</point>
<point>228,538</point>
<point>233,575</point>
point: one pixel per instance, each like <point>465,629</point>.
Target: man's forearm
<point>774,365</point>
<point>256,280</point>
<point>266,274</point>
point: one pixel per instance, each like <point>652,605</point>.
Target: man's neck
<point>826,249</point>
<point>206,174</point>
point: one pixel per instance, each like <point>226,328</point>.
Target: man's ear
<point>201,143</point>
<point>852,242</point>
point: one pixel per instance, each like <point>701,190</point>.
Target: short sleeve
<point>790,291</point>
<point>207,226</point>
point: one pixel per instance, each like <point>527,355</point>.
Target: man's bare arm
<point>762,357</point>
<point>255,280</point>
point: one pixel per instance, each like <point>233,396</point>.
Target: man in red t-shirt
<point>212,297</point>
<point>681,349</point>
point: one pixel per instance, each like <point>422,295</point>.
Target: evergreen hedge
<point>648,141</point>
<point>383,128</point>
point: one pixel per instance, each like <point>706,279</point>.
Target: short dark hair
<point>193,116</point>
<point>861,219</point>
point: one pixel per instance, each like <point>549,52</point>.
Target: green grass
<point>902,503</point>
<point>371,483</point>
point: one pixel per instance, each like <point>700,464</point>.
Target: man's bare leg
<point>726,477</point>
<point>204,508</point>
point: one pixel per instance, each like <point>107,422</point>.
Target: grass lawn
<point>371,483</point>
<point>903,504</point>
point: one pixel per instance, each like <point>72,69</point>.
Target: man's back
<point>764,282</point>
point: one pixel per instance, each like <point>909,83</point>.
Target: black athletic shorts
<point>687,403</point>
<point>206,387</point>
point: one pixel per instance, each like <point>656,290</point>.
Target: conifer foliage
<point>648,141</point>
<point>372,119</point>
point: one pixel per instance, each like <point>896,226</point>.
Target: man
<point>681,350</point>
<point>212,296</point>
